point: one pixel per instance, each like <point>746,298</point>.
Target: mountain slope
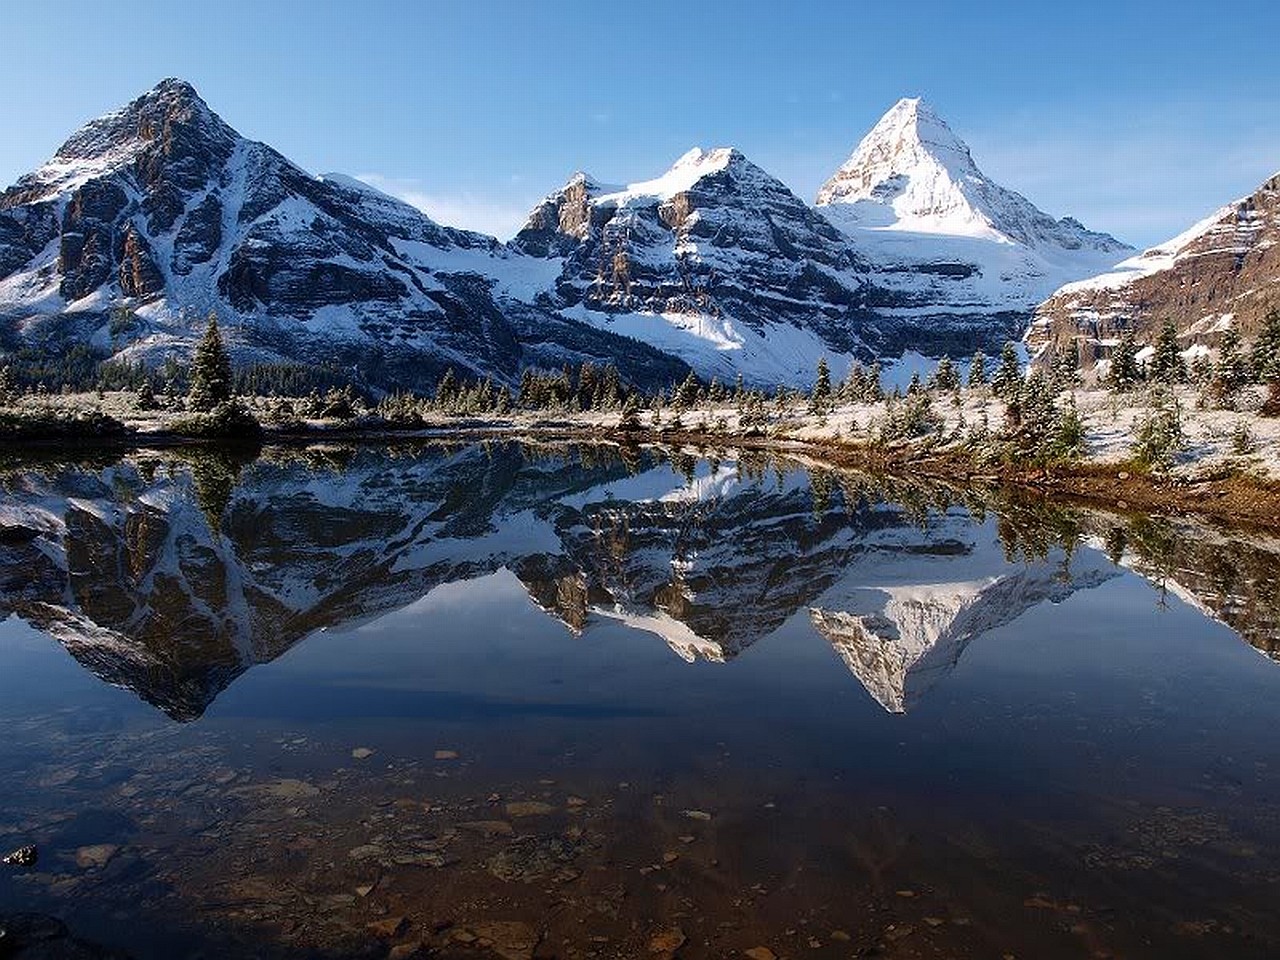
<point>951,248</point>
<point>149,217</point>
<point>1223,270</point>
<point>715,261</point>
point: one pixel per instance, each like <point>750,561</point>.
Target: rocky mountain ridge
<point>150,217</point>
<point>1224,271</point>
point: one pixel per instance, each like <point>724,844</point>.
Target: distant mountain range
<point>148,218</point>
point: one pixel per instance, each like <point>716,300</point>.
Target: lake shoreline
<point>1223,494</point>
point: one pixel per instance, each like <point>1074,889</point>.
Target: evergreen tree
<point>1166,365</point>
<point>820,399</point>
<point>915,387</point>
<point>854,384</point>
<point>978,371</point>
<point>686,395</point>
<point>1124,374</point>
<point>146,399</point>
<point>1008,376</point>
<point>874,391</point>
<point>630,420</point>
<point>946,377</point>
<point>210,370</point>
<point>447,389</point>
<point>1266,361</point>
<point>528,389</point>
<point>1066,369</point>
<point>1266,349</point>
<point>1231,372</point>
<point>8,389</point>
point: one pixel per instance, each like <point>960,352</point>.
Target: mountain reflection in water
<point>173,573</point>
<point>528,700</point>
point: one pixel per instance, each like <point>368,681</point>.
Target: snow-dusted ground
<point>1111,422</point>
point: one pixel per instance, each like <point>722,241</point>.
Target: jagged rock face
<point>719,255</point>
<point>163,209</point>
<point>1221,272</point>
<point>560,222</point>
<point>959,261</point>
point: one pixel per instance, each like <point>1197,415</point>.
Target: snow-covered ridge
<point>1165,256</point>
<point>684,173</point>
<point>163,209</point>
<point>1219,273</point>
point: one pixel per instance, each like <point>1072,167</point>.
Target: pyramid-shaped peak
<point>910,138</point>
<point>173,88</point>
<point>170,104</point>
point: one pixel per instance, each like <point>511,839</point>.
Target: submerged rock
<point>23,857</point>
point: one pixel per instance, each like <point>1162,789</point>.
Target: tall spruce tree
<point>210,370</point>
<point>8,389</point>
<point>874,389</point>
<point>978,371</point>
<point>1008,376</point>
<point>1266,361</point>
<point>1231,371</point>
<point>447,389</point>
<point>820,399</point>
<point>1166,364</point>
<point>1066,369</point>
<point>1265,356</point>
<point>946,377</point>
<point>1124,374</point>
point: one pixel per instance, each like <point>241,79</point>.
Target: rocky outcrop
<point>1221,272</point>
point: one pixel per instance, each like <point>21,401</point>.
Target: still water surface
<point>516,700</point>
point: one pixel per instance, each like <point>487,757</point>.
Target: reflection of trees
<point>215,472</point>
<point>821,485</point>
<point>1155,540</point>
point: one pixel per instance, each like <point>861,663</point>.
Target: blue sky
<point>1137,118</point>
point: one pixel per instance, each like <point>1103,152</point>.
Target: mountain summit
<point>912,172</point>
<point>951,250</point>
<point>714,261</point>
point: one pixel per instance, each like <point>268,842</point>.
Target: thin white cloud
<point>458,209</point>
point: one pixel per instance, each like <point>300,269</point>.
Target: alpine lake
<point>521,699</point>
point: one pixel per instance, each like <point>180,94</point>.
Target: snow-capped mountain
<point>901,620</point>
<point>714,261</point>
<point>1223,271</point>
<point>149,217</point>
<point>951,249</point>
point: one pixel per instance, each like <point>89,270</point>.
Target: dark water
<point>525,701</point>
